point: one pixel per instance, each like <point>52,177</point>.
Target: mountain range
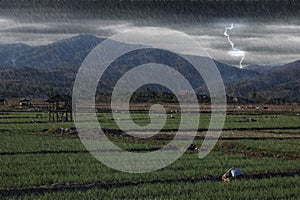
<point>40,71</point>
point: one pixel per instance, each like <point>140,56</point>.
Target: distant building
<point>183,92</point>
<point>203,98</point>
<point>25,103</point>
<point>237,100</point>
<point>2,101</point>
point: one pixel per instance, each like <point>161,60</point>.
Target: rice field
<point>40,161</point>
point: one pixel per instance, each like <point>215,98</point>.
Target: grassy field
<point>40,161</point>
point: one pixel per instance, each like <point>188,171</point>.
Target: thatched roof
<point>60,98</point>
<point>24,100</point>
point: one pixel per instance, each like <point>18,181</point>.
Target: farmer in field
<point>231,173</point>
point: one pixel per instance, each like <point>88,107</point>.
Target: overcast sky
<point>266,32</point>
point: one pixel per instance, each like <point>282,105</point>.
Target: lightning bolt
<point>234,51</point>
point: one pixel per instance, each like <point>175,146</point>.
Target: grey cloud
<point>265,40</point>
<point>60,29</point>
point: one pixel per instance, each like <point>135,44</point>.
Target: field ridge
<point>56,187</point>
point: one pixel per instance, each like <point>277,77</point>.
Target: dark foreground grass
<point>46,170</point>
<point>274,188</point>
<point>74,165</point>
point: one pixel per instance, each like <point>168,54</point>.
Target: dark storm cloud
<point>153,10</point>
<point>211,8</point>
<point>268,31</point>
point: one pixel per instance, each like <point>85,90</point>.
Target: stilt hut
<point>60,108</point>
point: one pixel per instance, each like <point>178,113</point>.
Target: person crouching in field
<point>231,174</point>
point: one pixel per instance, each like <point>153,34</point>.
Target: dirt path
<point>57,187</point>
<point>73,151</point>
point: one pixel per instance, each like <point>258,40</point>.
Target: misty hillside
<point>282,82</point>
<point>40,71</point>
<point>67,53</point>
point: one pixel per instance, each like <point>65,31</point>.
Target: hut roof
<point>24,100</point>
<point>59,98</point>
<point>183,92</point>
